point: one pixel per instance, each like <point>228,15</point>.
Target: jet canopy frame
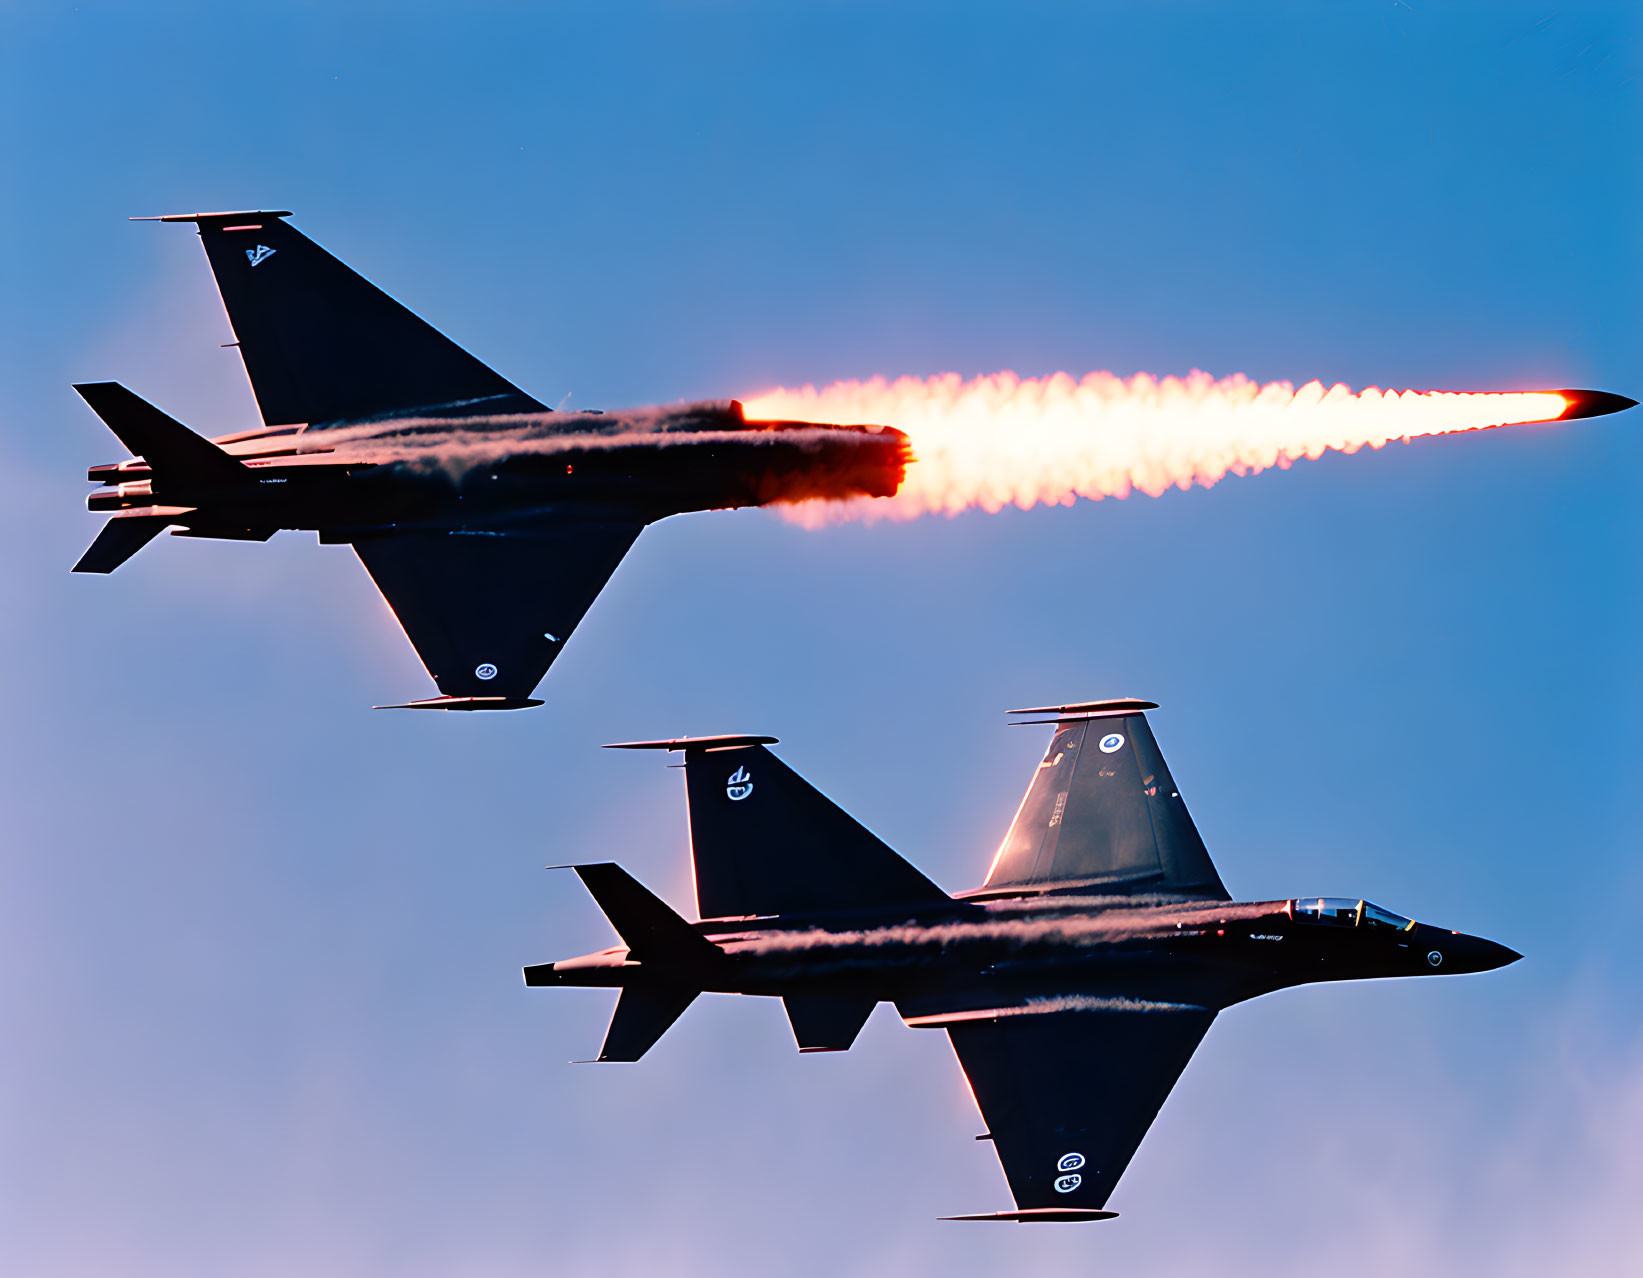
<point>1342,911</point>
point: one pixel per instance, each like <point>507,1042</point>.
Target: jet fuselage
<point>1006,953</point>
<point>459,472</point>
<point>1075,984</point>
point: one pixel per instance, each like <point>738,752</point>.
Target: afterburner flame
<point>1007,441</point>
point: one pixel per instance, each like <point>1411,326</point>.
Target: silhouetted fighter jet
<point>488,521</point>
<point>1075,984</point>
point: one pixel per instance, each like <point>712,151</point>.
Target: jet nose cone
<point>1456,952</point>
<point>1494,956</point>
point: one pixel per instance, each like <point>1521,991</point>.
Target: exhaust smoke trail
<point>1119,921</point>
<point>1002,440</point>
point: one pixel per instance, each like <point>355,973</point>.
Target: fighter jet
<point>1075,983</point>
<point>489,522</point>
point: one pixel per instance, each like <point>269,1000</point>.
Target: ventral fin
<point>827,1022</point>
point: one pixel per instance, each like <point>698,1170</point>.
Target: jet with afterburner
<point>1075,983</point>
<point>488,521</point>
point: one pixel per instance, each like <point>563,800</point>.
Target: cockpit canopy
<point>1342,912</point>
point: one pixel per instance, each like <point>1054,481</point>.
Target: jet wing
<point>1102,812</point>
<point>1068,1095</point>
<point>321,343</point>
<point>488,611</point>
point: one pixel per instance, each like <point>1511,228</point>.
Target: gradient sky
<point>259,946</point>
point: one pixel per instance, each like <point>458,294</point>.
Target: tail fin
<point>652,931</point>
<point>168,446</point>
<point>765,841</point>
<point>122,537</point>
<point>655,935</point>
<point>1102,811</point>
<point>323,344</point>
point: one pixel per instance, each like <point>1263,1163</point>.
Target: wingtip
<point>466,703</point>
<point>1114,705</point>
<point>1040,1215</point>
<point>692,743</point>
<point>209,217</point>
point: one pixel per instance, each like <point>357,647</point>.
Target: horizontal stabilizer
<point>643,1014</point>
<point>121,537</point>
<point>170,448</point>
<point>649,926</point>
<point>827,1022</point>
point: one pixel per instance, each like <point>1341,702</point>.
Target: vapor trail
<point>1073,929</point>
<point>1001,440</point>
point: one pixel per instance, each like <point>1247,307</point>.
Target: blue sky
<point>259,946</point>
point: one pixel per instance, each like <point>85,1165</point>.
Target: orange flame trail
<point>1002,440</point>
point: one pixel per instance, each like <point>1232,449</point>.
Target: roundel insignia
<point>1066,1184</point>
<point>739,785</point>
<point>1111,743</point>
<point>1434,957</point>
<point>1070,1162</point>
<point>485,670</point>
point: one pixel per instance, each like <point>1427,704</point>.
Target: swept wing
<point>1102,812</point>
<point>321,343</point>
<point>488,611</point>
<point>1068,1095</point>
